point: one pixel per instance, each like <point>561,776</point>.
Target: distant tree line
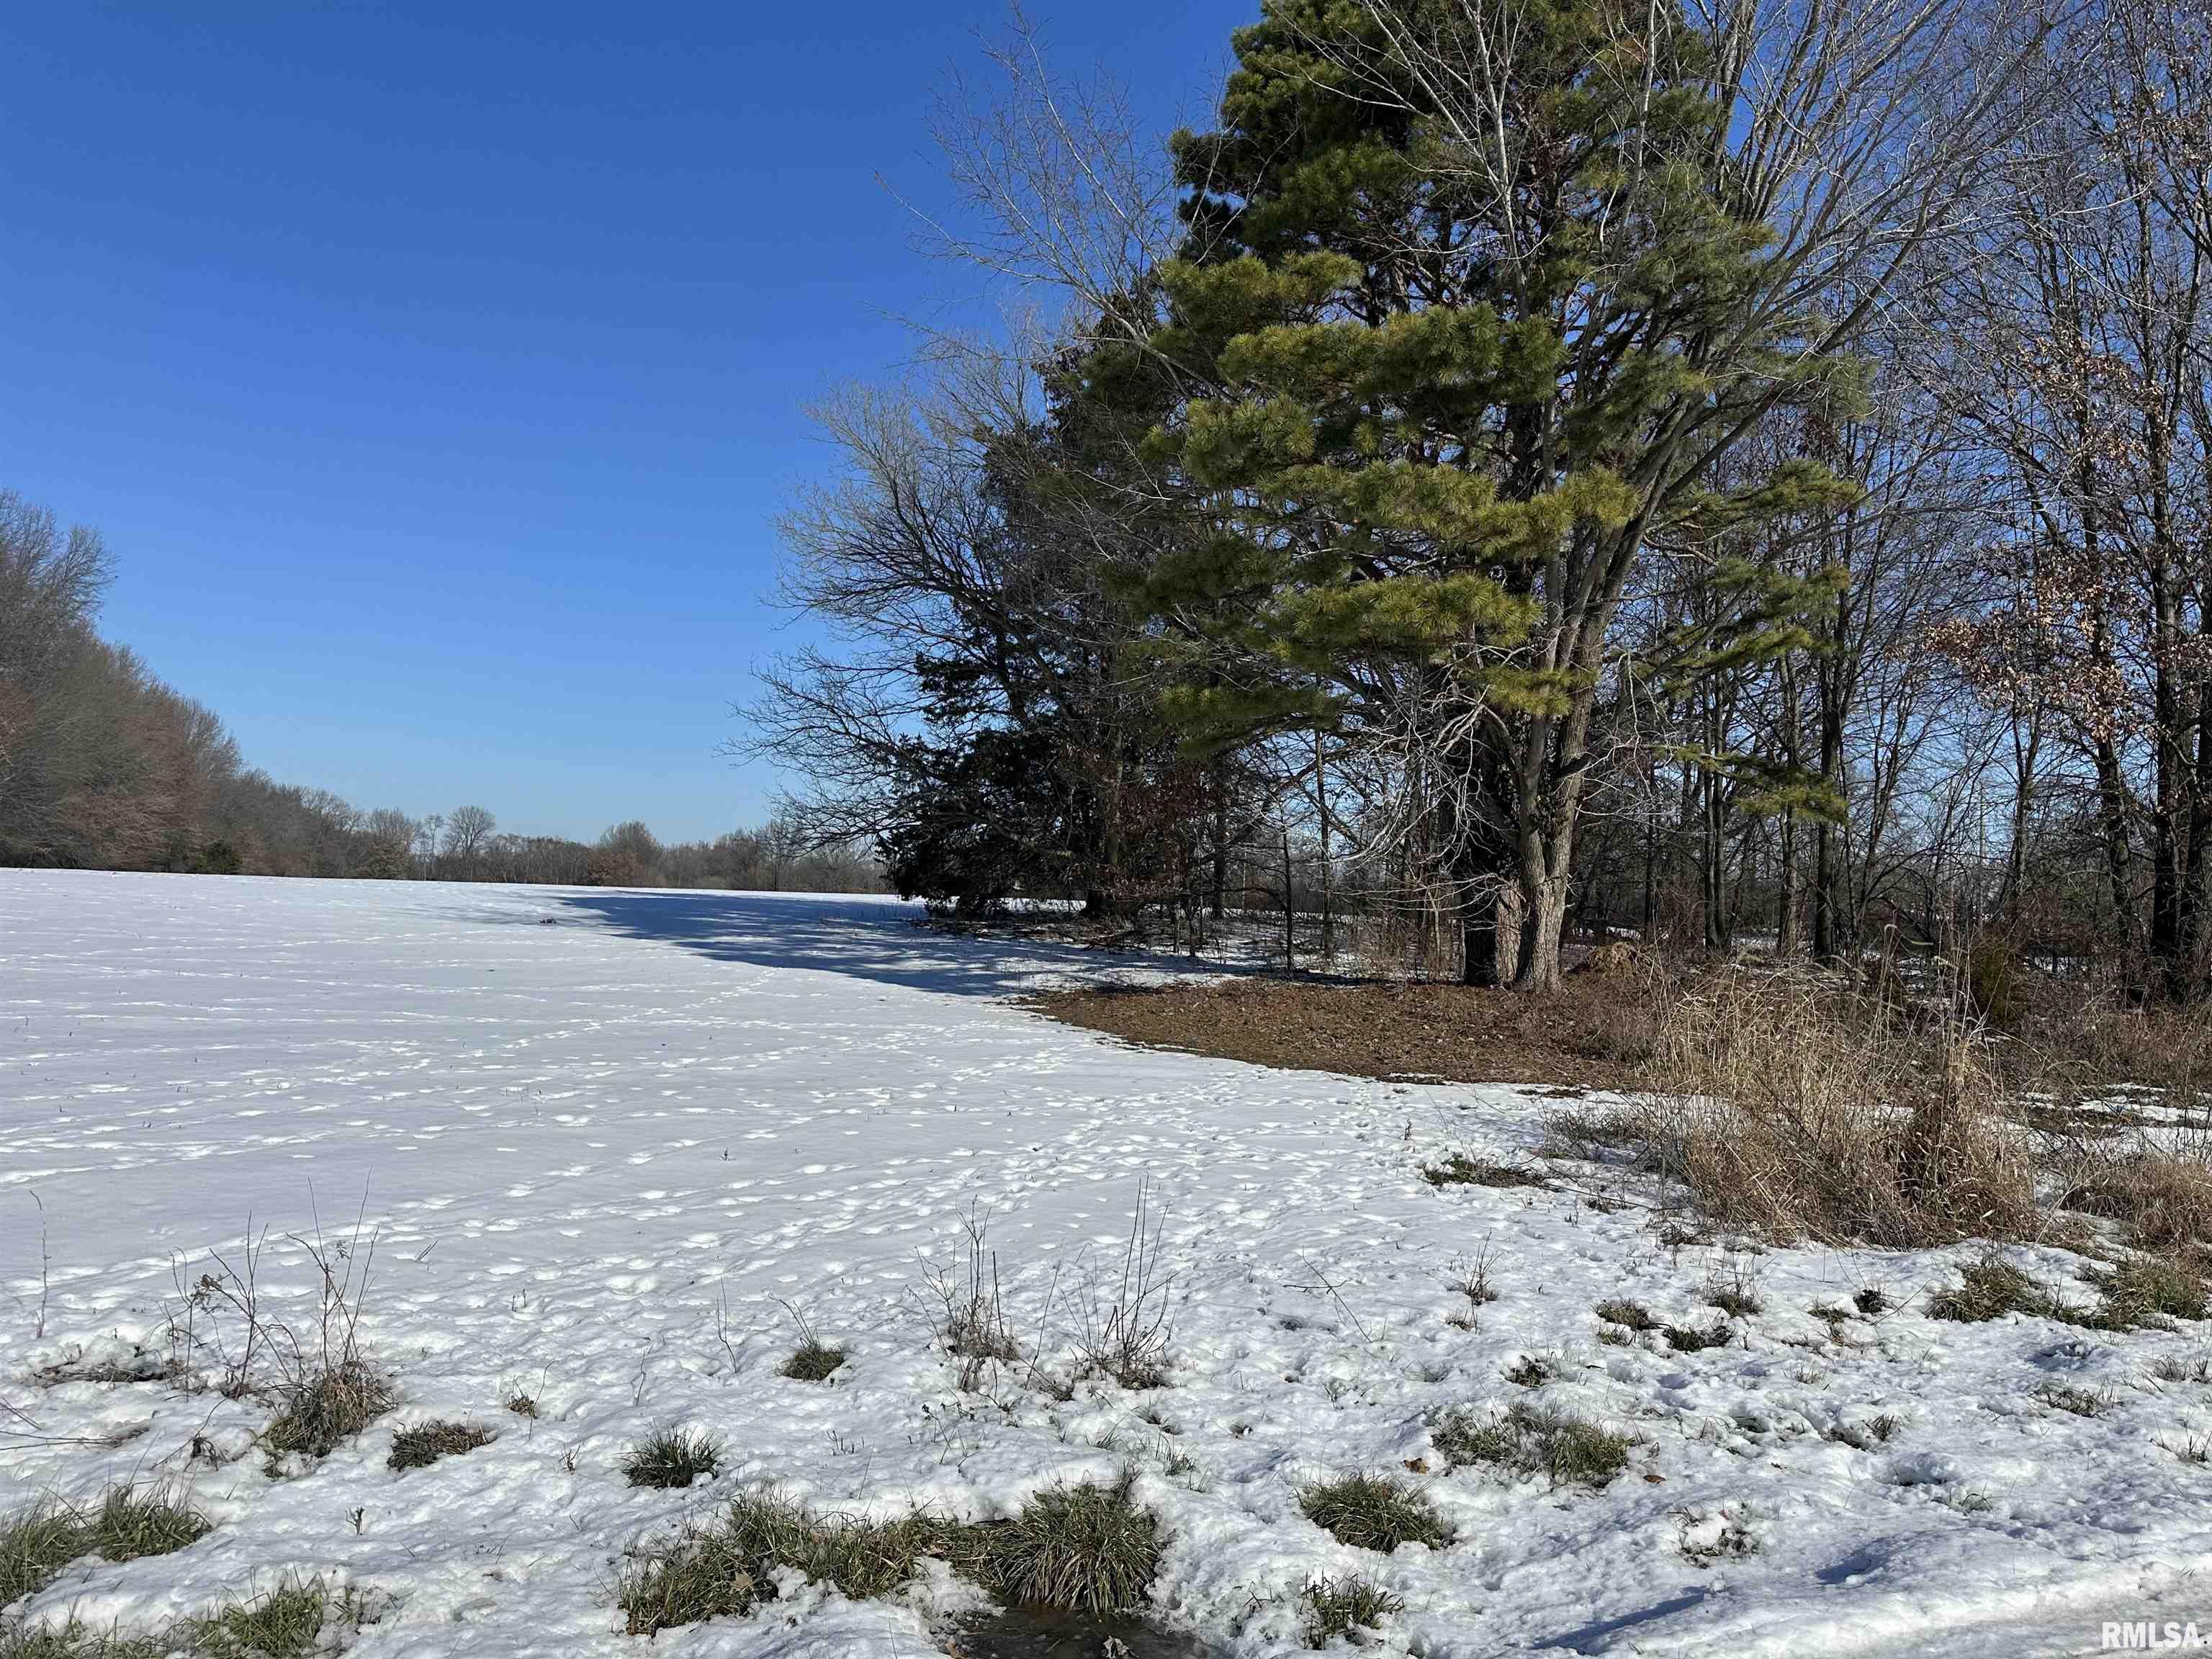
<point>102,766</point>
<point>1717,470</point>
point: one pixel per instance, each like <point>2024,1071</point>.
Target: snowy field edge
<point>602,1137</point>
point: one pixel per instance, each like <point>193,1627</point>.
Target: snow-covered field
<point>598,1157</point>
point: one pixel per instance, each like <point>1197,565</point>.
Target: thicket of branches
<point>1733,467</point>
<point>102,766</point>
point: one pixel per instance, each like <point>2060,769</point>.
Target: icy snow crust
<point>581,1142</point>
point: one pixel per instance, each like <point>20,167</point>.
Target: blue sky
<point>435,371</point>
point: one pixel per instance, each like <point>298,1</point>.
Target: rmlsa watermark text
<point>2148,1636</point>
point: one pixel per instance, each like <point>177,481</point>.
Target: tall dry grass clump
<point>1793,1107</point>
<point>2159,1187</point>
<point>2121,1094</point>
<point>2166,1047</point>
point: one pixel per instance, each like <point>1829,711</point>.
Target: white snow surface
<point>578,1145</point>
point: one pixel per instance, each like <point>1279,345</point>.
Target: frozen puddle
<point>607,1164</point>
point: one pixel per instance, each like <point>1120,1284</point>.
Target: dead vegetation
<point>1876,1430</point>
<point>326,1407</point>
<point>1594,1033</point>
<point>424,1444</point>
<point>1804,1104</point>
<point>325,1386</point>
<point>1990,1288</point>
<point>1631,1316</point>
<point>1590,1133</point>
<point>1696,1339</point>
<point>2147,1290</point>
<point>1118,1316</point>
<point>1790,1110</point>
<point>1533,1370</point>
<point>2159,1191</point>
<point>969,1310</point>
<point>1460,1170</point>
<point>1790,1103</point>
<point>1734,1289</point>
<point>1471,1277</point>
<point>2078,1402</point>
<point>2088,1045</point>
<point>1786,1109</point>
<point>1123,1328</point>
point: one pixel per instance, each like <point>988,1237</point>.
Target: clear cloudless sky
<point>435,371</point>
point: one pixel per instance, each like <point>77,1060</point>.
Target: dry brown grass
<point>1792,1105</point>
<point>421,1444</point>
<point>2160,1193</point>
<point>2102,1041</point>
<point>2142,1161</point>
<point>1800,1103</point>
<point>328,1407</point>
<point>1793,1108</point>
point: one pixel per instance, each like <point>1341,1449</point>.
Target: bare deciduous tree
<point>467,830</point>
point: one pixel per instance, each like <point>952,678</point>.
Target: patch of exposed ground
<point>1594,1034</point>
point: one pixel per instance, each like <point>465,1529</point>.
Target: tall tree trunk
<point>1490,931</point>
<point>2169,767</point>
<point>2194,873</point>
<point>1551,755</point>
<point>1328,874</point>
<point>1713,860</point>
<point>2024,749</point>
<point>2112,808</point>
<point>1478,941</point>
<point>1827,860</point>
<point>1785,931</point>
<point>1217,900</point>
<point>1650,930</point>
<point>1545,860</point>
<point>2176,859</point>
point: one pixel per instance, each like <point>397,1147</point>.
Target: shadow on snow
<point>873,940</point>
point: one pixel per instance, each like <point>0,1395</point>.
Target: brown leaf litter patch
<point>1593,1033</point>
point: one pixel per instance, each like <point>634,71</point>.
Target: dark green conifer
<point>1442,386</point>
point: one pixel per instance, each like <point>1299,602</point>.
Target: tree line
<point>1715,468</point>
<point>103,766</point>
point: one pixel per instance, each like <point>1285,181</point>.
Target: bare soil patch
<point>1594,1033</point>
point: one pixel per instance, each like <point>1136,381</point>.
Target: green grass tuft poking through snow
<point>1370,1512</point>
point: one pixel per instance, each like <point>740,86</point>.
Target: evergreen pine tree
<point>1445,386</point>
